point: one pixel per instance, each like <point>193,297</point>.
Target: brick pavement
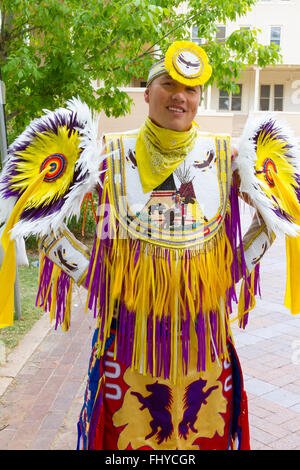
<point>43,401</point>
<point>40,406</point>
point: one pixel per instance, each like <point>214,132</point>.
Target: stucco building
<point>275,88</point>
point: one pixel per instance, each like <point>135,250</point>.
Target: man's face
<point>172,105</point>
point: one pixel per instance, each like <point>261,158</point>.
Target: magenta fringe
<point>162,340</point>
<point>63,286</point>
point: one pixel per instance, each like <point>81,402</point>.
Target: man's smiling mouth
<point>175,109</point>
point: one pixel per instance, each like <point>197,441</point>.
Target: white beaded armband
<point>68,253</point>
<point>256,242</point>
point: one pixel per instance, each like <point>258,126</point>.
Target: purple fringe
<point>162,341</point>
<point>234,232</point>
<point>44,284</point>
<point>244,321</point>
<point>63,286</point>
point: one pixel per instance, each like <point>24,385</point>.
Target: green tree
<point>51,50</point>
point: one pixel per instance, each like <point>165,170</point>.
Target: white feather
<point>88,165</point>
<point>245,164</point>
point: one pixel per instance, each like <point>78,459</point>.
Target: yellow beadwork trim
<point>117,179</point>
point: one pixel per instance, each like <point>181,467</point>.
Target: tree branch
<point>13,114</point>
<point>109,45</point>
<point>19,26</point>
<point>3,21</point>
<point>148,51</point>
<point>24,31</point>
<point>165,36</point>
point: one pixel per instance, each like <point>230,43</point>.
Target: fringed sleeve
<point>63,261</point>
<point>55,292</point>
<point>248,249</point>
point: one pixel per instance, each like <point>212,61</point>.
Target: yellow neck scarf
<point>159,151</point>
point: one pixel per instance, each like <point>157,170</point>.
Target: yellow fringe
<point>242,311</point>
<point>67,317</point>
<point>165,286</point>
<point>165,282</point>
<point>290,204</point>
<point>146,287</point>
<point>8,267</point>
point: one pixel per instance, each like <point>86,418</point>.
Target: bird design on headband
<point>185,62</point>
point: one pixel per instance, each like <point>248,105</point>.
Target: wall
<point>284,13</point>
<point>290,78</point>
<point>139,111</point>
<point>209,121</point>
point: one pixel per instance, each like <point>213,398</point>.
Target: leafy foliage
<point>51,50</point>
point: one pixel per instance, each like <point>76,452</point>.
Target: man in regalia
<point>167,256</point>
<point>169,374</point>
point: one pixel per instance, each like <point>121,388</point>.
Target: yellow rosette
<point>187,63</point>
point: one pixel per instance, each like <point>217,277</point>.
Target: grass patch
<point>28,283</point>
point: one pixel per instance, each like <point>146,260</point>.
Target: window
<point>221,33</point>
<point>243,29</point>
<point>224,99</point>
<point>236,100</point>
<point>271,98</point>
<point>264,104</point>
<point>278,97</point>
<point>195,35</point>
<point>230,102</point>
<point>275,35</point>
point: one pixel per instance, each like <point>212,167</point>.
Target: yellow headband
<point>185,62</point>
